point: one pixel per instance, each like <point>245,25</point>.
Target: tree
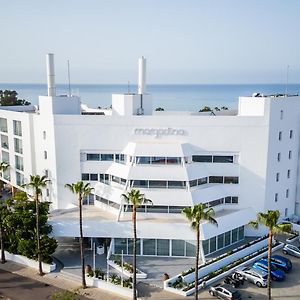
<point>205,109</point>
<point>4,213</point>
<point>195,215</point>
<point>3,167</point>
<point>10,98</point>
<point>81,189</point>
<point>37,183</point>
<point>270,220</point>
<point>136,199</point>
<point>159,109</point>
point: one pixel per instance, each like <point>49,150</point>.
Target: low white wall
<point>140,275</point>
<point>110,287</point>
<point>29,262</point>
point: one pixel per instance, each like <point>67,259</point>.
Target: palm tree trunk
<point>197,262</point>
<point>134,253</point>
<point>269,263</point>
<point>38,233</point>
<point>81,243</point>
<point>2,245</point>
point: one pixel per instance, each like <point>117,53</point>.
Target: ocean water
<point>170,97</point>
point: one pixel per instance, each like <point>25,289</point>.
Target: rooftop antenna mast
<point>69,78</point>
<point>287,80</point>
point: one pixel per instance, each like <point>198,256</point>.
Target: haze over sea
<point>169,96</point>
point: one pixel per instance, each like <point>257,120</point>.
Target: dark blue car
<point>281,262</point>
<point>276,274</point>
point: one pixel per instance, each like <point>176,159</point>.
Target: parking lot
<point>288,289</point>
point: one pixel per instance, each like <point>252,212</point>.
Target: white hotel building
<point>238,162</point>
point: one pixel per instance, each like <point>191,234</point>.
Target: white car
<point>291,249</point>
<point>255,276</point>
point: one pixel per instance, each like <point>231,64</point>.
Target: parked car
<point>280,262</point>
<point>232,281</point>
<point>276,274</point>
<point>252,275</point>
<point>291,249</point>
<point>224,291</point>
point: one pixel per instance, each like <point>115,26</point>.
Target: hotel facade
<point>238,162</point>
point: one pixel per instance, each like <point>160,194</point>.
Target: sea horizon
<point>171,96</point>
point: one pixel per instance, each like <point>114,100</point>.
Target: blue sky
<point>184,41</point>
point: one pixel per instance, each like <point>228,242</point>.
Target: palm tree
<point>270,220</point>
<point>37,183</point>
<point>136,199</point>
<point>195,215</point>
<point>81,189</point>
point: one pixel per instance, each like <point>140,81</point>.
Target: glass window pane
<point>241,232</point>
<point>202,180</point>
<point>176,184</point>
<point>4,141</point>
<point>160,184</point>
<point>215,179</point>
<point>94,177</point>
<point>149,247</point>
<point>175,209</point>
<point>235,200</point>
<point>202,158</point>
<point>85,176</point>
<point>173,160</point>
<point>143,160</point>
<point>221,241</point>
<point>157,209</point>
<point>107,157</point>
<point>158,160</point>
<point>120,244</point>
<point>190,249</point>
<point>227,199</point>
<point>17,127</point>
<point>227,238</point>
<point>19,163</point>
<point>212,244</point>
<point>92,156</point>
<point>130,246</point>
<point>163,247</point>
<point>140,183</point>
<point>18,146</point>
<point>3,125</point>
<point>205,245</point>
<point>234,235</point>
<point>178,247</point>
<point>19,178</point>
<point>231,180</point>
<point>223,159</point>
<point>193,183</point>
<point>5,157</point>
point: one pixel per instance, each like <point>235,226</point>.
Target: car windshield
<point>265,277</point>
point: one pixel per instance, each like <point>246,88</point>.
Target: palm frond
<point>254,224</point>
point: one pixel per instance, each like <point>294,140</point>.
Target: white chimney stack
<point>142,76</point>
<point>50,74</point>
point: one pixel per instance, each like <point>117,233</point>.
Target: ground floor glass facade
<point>178,248</point>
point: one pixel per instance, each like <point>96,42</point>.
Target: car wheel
<point>211,293</point>
<point>284,252</point>
<point>258,284</point>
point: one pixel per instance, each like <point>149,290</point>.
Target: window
<point>193,183</point>
<point>234,200</point>
<point>286,212</point>
<point>202,158</point>
<point>44,135</point>
<point>202,181</point>
<point>18,145</point>
<point>223,159</point>
<point>121,245</point>
<point>140,183</point>
<point>190,249</point>
<point>130,246</point>
<point>120,158</point>
<point>288,173</point>
<point>287,193</point>
<point>276,197</point>
<point>19,178</point>
<point>227,200</point>
<point>205,245</point>
<point>17,127</point>
<point>85,176</point>
<point>291,134</point>
<point>215,179</point>
<point>173,160</point>
<point>178,248</point>
<point>277,177</point>
<point>157,209</point>
<point>93,156</point>
<point>45,155</point>
<point>234,235</point>
<point>216,202</point>
<point>157,184</point>
<point>46,173</point>
<point>241,232</point>
<point>212,244</point>
<point>227,238</point>
<point>234,180</point>
<point>158,160</point>
<point>290,154</point>
<point>220,241</point>
<point>4,141</point>
<point>107,157</point>
<point>94,177</point>
<point>278,156</point>
<point>281,114</point>
<point>5,157</point>
<point>19,163</point>
<point>149,247</point>
<point>143,160</point>
<point>47,192</point>
<point>3,125</point>
<point>279,135</point>
<point>163,247</point>
<point>176,184</point>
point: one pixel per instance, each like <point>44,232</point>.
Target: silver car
<point>291,249</point>
<point>255,276</point>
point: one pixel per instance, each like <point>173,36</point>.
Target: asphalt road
<point>16,287</point>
